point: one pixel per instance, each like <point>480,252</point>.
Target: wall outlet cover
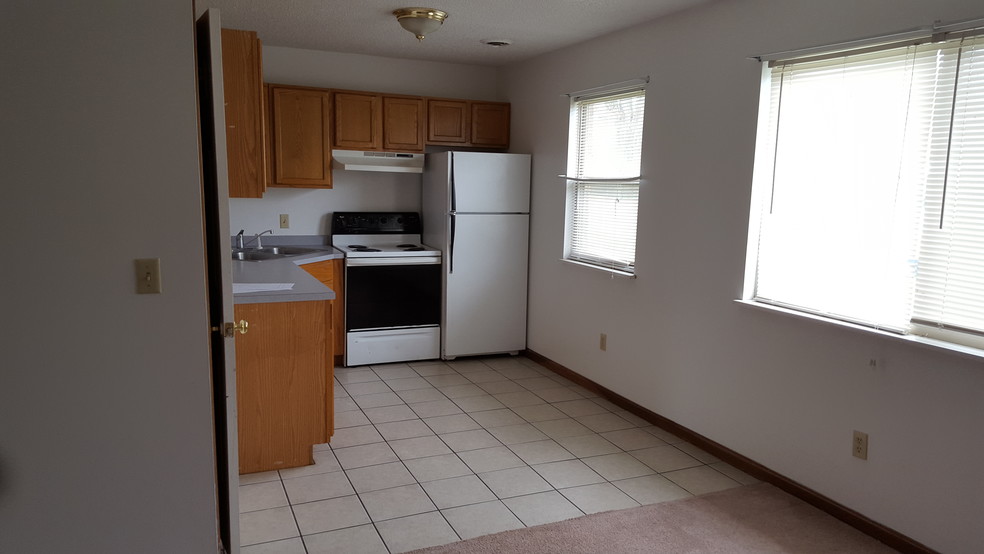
<point>860,445</point>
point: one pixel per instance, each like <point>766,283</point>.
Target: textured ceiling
<point>368,26</point>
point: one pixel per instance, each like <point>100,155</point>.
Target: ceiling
<point>368,26</point>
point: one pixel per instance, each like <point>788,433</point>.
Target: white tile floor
<point>430,453</point>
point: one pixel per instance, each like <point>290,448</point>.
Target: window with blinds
<point>873,163</point>
<point>603,179</point>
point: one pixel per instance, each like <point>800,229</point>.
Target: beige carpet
<point>757,518</point>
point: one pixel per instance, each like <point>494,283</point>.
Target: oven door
<point>392,293</point>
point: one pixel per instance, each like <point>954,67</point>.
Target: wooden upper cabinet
<point>447,121</point>
<point>242,78</point>
<point>403,123</point>
<point>371,121</point>
<point>490,124</point>
<point>358,120</point>
<point>300,129</point>
<point>468,123</point>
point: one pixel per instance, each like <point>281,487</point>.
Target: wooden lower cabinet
<point>284,378</point>
<point>331,274</point>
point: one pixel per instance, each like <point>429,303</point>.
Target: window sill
<point>925,342</point>
<point>613,272</point>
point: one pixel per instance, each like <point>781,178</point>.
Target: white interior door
<point>491,183</point>
<point>218,262</point>
<point>485,302</point>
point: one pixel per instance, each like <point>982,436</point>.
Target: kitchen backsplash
<point>309,209</point>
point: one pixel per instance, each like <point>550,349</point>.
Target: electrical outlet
<point>284,221</point>
<point>860,446</point>
<point>603,342</point>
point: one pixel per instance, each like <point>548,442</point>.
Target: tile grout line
<point>292,514</point>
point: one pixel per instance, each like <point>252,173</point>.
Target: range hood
<point>393,162</point>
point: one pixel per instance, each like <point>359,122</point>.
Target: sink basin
<point>271,253</point>
<point>285,250</point>
<point>254,255</point>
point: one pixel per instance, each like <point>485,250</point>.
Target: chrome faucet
<point>259,244</point>
<point>239,239</point>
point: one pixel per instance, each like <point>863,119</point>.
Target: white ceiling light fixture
<point>420,21</point>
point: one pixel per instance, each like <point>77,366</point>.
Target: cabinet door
<point>301,149</point>
<point>242,79</point>
<point>403,124</point>
<point>358,121</point>
<point>490,124</point>
<point>281,379</point>
<point>447,121</point>
<point>331,275</point>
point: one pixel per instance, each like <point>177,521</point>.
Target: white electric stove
<point>392,288</point>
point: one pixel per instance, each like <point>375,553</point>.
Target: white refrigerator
<point>476,210</point>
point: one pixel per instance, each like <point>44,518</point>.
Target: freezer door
<point>491,183</point>
<point>485,295</point>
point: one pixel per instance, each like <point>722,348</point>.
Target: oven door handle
<point>451,245</point>
<point>406,260</point>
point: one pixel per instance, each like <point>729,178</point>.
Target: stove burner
<point>366,249</point>
<point>357,246</point>
<point>406,245</point>
<point>414,249</point>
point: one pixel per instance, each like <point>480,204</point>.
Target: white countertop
<point>283,270</point>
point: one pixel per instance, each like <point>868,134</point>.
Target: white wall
<point>783,391</point>
<point>353,190</point>
<point>105,408</point>
<point>310,209</point>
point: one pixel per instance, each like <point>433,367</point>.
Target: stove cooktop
<point>379,235</point>
<point>368,246</point>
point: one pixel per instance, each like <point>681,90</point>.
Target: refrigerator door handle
<point>454,199</point>
<point>451,245</point>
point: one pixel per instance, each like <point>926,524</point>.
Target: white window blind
<point>950,280</point>
<point>875,212</point>
<point>603,179</point>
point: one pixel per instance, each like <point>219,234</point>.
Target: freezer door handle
<point>451,245</point>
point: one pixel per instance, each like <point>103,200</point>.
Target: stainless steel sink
<point>271,253</point>
<point>254,256</point>
<point>286,250</point>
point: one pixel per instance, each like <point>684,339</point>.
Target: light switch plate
<point>284,221</point>
<point>148,275</point>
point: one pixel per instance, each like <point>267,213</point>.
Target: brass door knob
<point>231,328</point>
